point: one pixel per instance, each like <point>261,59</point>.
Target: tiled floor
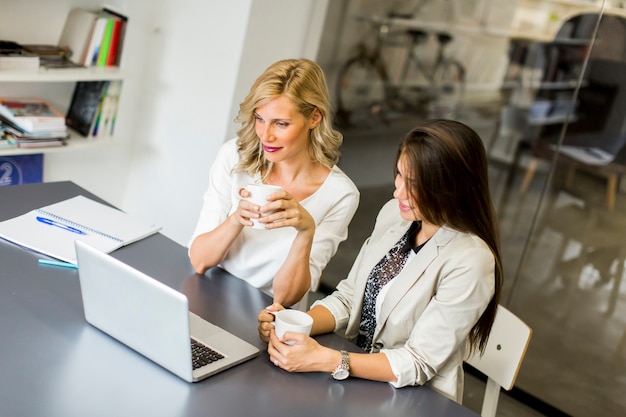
<point>577,359</point>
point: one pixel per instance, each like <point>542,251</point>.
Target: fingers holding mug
<point>257,196</point>
<point>291,321</point>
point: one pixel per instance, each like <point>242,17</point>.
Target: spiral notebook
<point>52,230</point>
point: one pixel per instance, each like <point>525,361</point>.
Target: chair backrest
<point>504,353</point>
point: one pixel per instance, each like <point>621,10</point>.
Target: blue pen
<point>61,225</point>
<point>57,263</point>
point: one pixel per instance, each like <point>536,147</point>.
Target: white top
<point>257,254</point>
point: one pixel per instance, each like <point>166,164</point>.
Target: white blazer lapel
<point>411,273</point>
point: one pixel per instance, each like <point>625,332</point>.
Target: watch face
<point>341,374</point>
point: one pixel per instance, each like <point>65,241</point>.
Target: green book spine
<point>106,43</point>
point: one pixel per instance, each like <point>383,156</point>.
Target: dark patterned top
<point>384,271</point>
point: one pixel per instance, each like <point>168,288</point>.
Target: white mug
<point>258,196</point>
<point>291,321</point>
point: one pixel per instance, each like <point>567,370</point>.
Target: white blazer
<point>430,307</point>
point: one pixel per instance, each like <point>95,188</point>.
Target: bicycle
<point>365,91</point>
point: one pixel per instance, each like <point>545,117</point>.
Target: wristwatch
<point>343,369</point>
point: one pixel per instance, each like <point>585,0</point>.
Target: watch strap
<point>343,369</point>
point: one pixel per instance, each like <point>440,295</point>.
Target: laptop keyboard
<point>202,355</point>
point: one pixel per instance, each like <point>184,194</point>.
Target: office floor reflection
<point>568,288</point>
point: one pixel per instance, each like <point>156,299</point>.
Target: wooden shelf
<point>63,75</point>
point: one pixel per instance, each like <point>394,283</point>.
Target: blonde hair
<point>302,81</point>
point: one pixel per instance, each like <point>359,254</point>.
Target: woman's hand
<point>246,210</point>
<point>286,211</point>
<point>265,321</point>
<point>306,355</point>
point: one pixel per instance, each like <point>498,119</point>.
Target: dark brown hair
<point>447,178</point>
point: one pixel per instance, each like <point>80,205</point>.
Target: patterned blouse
<point>384,271</point>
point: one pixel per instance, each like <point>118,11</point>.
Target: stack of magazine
<point>31,122</point>
<point>14,57</point>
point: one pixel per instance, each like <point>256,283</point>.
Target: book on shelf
<point>105,118</point>
<point>11,137</point>
<point>5,143</point>
<point>32,114</point>
<point>46,50</point>
<point>14,57</point>
<point>105,45</point>
<point>4,138</point>
<point>117,38</point>
<point>84,106</point>
<point>36,143</point>
<point>19,61</point>
<point>111,38</point>
<point>52,56</point>
<point>52,230</point>
<point>50,63</point>
<point>12,131</point>
<point>76,33</point>
<point>95,41</point>
<point>93,35</point>
<point>93,109</point>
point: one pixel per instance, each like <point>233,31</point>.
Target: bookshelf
<point>44,25</point>
<point>545,74</point>
<point>72,146</point>
<point>63,75</point>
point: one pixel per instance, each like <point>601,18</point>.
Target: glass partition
<point>544,83</point>
<point>569,212</point>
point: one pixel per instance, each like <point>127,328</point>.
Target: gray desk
<point>52,363</point>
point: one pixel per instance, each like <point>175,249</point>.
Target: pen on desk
<point>60,225</point>
<point>57,263</point>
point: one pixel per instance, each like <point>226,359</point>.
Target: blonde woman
<point>286,138</point>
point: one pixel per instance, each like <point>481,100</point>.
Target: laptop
<point>154,319</point>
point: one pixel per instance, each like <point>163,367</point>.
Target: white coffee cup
<point>292,321</point>
<point>258,196</point>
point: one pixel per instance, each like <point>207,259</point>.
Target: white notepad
<point>52,230</point>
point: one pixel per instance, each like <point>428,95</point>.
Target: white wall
<point>199,59</point>
<point>278,29</point>
<point>185,66</point>
<point>189,63</point>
